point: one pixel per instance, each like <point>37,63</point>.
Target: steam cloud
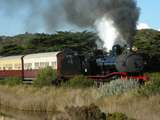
<point>123,13</point>
<point>53,14</point>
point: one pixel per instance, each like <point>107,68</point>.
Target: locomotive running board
<point>122,75</point>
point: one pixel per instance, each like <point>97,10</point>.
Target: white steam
<point>107,32</point>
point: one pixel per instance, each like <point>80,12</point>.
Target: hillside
<point>33,43</point>
<point>148,43</point>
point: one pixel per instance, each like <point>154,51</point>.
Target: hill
<point>33,43</point>
<point>148,43</point>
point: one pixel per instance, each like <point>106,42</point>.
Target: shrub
<point>79,81</point>
<point>11,81</point>
<point>91,112</point>
<point>118,87</point>
<point>152,87</point>
<point>118,116</point>
<point>45,77</point>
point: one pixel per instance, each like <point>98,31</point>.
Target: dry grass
<point>56,99</point>
<point>45,99</point>
<point>141,108</point>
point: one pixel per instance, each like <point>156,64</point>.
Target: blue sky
<point>150,13</point>
<point>14,24</point>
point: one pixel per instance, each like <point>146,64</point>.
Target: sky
<point>150,13</point>
<point>15,24</point>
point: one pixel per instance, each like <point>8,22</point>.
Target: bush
<point>91,112</point>
<point>118,87</point>
<point>45,77</point>
<point>11,81</point>
<point>79,81</point>
<point>118,116</point>
<point>152,87</point>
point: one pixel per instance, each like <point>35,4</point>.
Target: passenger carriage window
<point>37,65</point>
<point>28,66</point>
<point>9,66</point>
<point>17,66</point>
<point>44,64</point>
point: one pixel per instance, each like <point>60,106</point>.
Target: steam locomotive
<point>102,67</point>
<point>98,65</point>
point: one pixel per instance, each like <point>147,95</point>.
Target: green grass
<point>11,81</point>
<point>152,87</point>
<point>78,81</point>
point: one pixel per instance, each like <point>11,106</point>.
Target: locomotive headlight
<point>134,48</point>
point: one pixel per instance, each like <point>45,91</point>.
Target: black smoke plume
<point>124,13</point>
<point>53,14</point>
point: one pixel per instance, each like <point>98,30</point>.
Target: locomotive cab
<point>107,61</point>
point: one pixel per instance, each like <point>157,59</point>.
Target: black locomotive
<point>120,62</point>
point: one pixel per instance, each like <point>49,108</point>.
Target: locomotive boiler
<point>122,60</point>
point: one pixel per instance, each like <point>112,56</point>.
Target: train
<point>98,65</point>
<point>26,66</point>
<point>102,66</point>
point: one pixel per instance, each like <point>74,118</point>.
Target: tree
<point>148,43</point>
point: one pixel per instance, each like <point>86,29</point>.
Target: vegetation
<point>118,87</point>
<point>152,87</point>
<point>45,77</point>
<point>140,102</point>
<point>118,116</point>
<point>91,112</point>
<point>57,99</point>
<point>148,44</point>
<point>33,43</point>
<point>28,98</point>
<point>79,81</point>
<point>11,81</point>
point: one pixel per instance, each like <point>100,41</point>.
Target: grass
<point>56,99</point>
<point>11,81</point>
<point>152,87</point>
<point>118,87</point>
<point>140,103</point>
<point>46,98</point>
<point>79,81</point>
